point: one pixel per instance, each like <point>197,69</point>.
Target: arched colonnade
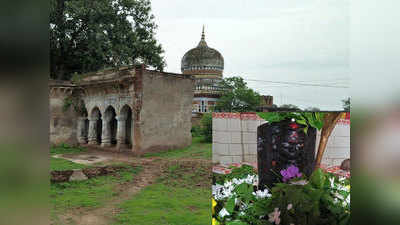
<point>108,128</point>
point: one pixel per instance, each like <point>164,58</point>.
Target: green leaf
<point>245,191</point>
<point>230,205</point>
<point>318,178</point>
<point>236,222</point>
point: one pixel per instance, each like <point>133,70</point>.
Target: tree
<point>206,127</point>
<point>330,120</point>
<point>346,104</point>
<point>237,97</point>
<point>87,36</point>
<point>312,109</point>
<point>290,106</point>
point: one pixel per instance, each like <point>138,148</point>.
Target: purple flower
<point>290,173</point>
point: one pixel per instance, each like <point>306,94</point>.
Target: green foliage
<point>237,97</point>
<point>196,131</point>
<point>308,119</point>
<point>312,109</point>
<point>290,106</point>
<point>323,200</point>
<point>87,36</point>
<point>76,102</point>
<point>206,126</point>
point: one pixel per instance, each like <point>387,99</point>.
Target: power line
<point>298,84</point>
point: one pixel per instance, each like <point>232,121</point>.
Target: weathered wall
<point>62,123</point>
<point>166,111</point>
<point>235,139</point>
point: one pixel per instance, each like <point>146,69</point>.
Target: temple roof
<point>202,58</point>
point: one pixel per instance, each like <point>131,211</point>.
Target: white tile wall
<point>230,134</point>
<point>235,149</point>
<point>236,137</point>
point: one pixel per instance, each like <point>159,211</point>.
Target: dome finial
<point>203,39</point>
<point>203,36</point>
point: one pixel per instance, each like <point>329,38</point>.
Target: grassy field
<point>197,150</point>
<point>66,149</point>
<point>90,193</point>
<point>182,196</point>
<point>63,164</point>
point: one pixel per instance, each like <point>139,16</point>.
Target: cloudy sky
<point>302,43</point>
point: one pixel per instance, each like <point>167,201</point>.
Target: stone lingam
<point>281,145</point>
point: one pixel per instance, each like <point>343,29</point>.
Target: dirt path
<point>104,215</point>
<point>152,168</point>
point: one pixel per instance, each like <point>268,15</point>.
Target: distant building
<point>206,65</point>
<point>127,109</point>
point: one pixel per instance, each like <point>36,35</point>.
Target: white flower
<point>216,189</point>
<point>244,207</point>
<point>289,207</point>
<point>223,213</point>
<point>262,194</point>
<point>221,192</point>
<point>332,181</point>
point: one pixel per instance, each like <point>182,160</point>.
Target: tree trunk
<point>330,121</point>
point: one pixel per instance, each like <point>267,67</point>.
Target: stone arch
<point>95,126</point>
<point>83,126</point>
<point>125,121</point>
<point>110,127</point>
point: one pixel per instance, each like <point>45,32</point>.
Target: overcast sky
<point>302,41</point>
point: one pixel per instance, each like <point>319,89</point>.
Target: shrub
<point>196,131</point>
<point>206,126</point>
<point>321,199</point>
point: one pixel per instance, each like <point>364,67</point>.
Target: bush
<point>206,126</point>
<point>318,200</point>
<point>196,131</point>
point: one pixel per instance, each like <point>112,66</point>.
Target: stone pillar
<point>106,133</point>
<point>81,134</point>
<point>121,132</point>
<point>92,132</point>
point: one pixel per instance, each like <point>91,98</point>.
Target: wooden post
<point>330,121</point>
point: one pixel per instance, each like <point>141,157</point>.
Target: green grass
<point>63,164</point>
<point>90,193</point>
<point>162,204</point>
<point>181,197</point>
<point>66,149</point>
<point>197,150</point>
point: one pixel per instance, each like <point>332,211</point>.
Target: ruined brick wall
<point>62,123</point>
<point>166,111</point>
